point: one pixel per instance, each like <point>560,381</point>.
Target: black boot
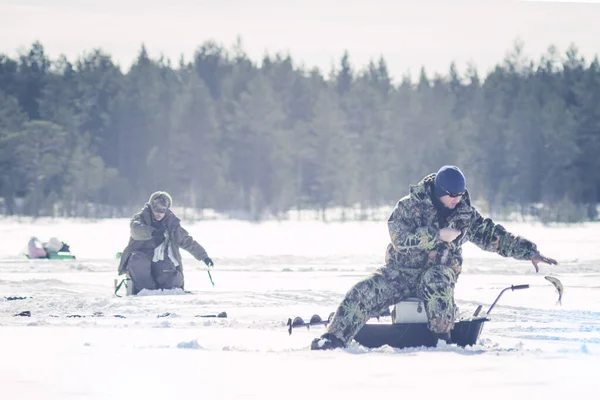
<point>327,342</point>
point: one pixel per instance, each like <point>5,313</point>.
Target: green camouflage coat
<point>414,231</point>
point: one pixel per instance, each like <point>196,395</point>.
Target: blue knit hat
<point>449,180</point>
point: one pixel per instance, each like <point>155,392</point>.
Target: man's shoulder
<point>172,220</point>
<point>422,190</point>
<point>412,204</point>
<point>465,207</point>
<point>144,213</point>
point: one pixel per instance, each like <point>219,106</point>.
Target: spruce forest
<point>258,138</point>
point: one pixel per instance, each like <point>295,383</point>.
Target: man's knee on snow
<point>166,275</point>
<point>436,288</point>
<point>139,270</point>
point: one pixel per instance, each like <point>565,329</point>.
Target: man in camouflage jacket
<point>152,259</point>
<point>424,259</point>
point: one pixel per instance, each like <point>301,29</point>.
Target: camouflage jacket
<point>141,237</point>
<point>414,231</point>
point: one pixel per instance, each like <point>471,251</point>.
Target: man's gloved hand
<point>158,235</point>
<point>448,234</point>
<point>538,258</point>
<point>208,261</point>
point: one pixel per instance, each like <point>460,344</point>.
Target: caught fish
<point>558,285</point>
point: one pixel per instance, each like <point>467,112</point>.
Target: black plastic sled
<point>409,327</point>
<point>465,333</point>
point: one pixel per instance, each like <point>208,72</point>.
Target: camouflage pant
<point>387,286</point>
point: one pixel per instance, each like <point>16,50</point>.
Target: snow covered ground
<point>265,273</point>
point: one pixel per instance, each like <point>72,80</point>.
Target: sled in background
<point>53,249</point>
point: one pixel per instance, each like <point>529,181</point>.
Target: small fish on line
<point>558,285</point>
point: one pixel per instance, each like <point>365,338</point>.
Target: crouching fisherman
<point>427,229</point>
<point>152,259</point>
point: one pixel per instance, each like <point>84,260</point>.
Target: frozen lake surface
<point>265,273</point>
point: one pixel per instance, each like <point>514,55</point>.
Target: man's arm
<point>492,237</point>
<point>139,230</point>
<point>187,242</point>
<point>405,230</point>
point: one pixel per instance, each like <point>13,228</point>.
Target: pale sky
<point>408,34</point>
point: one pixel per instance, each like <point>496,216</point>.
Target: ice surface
<point>265,273</point>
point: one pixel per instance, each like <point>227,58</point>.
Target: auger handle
<point>512,287</point>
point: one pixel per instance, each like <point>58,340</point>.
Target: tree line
<point>85,138</point>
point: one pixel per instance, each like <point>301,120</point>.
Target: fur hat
<point>160,201</point>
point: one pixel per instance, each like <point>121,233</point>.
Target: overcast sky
<point>408,34</point>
